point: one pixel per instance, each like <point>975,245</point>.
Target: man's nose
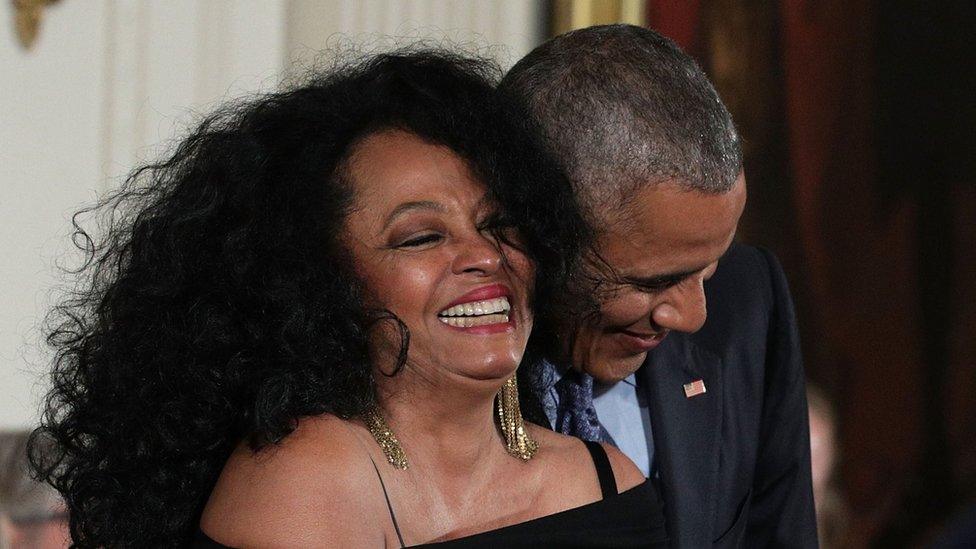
<point>478,254</point>
<point>682,311</point>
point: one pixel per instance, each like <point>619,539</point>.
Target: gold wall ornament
<point>567,15</point>
<point>27,19</point>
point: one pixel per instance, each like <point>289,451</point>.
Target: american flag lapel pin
<point>694,388</point>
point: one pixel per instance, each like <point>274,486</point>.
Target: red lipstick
<point>481,294</point>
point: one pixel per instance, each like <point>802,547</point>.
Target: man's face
<point>658,259</point>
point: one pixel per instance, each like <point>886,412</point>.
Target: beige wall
<point>105,84</point>
<point>505,29</point>
<point>110,83</point>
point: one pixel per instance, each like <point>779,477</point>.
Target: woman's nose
<point>478,254</point>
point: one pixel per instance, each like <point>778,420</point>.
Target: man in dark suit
<point>712,408</point>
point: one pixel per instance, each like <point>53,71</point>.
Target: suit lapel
<point>686,435</point>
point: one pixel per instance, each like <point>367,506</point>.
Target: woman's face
<point>419,235</point>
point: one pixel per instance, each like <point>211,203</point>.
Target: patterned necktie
<point>575,414</point>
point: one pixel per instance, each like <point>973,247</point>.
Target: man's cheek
<point>626,309</point>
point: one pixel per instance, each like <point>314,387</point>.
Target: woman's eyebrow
<point>407,207</point>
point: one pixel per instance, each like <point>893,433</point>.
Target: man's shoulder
<point>744,272</point>
<point>744,295</point>
<point>744,280</point>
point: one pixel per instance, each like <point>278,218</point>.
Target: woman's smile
<point>486,310</point>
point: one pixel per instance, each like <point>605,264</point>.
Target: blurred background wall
<point>857,118</point>
<point>103,86</point>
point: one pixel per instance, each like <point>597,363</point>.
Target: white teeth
<point>478,308</point>
<point>469,321</point>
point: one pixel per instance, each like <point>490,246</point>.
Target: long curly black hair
<point>218,304</point>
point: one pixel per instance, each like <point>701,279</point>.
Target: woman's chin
<point>495,372</point>
<point>498,365</point>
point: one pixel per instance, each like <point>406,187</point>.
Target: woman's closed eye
<point>419,241</point>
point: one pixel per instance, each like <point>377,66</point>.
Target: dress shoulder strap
<point>604,472</point>
<point>388,505</point>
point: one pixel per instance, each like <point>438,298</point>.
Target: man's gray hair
<point>622,107</point>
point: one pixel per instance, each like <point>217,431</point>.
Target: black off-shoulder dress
<point>633,518</point>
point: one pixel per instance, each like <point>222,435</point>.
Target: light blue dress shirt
<point>620,411</point>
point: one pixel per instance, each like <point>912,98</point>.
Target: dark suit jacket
<point>734,462</point>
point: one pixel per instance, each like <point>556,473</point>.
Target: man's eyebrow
<point>660,281</point>
<point>407,207</point>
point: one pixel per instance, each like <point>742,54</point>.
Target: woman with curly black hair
<point>297,329</point>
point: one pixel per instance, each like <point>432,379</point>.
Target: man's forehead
<point>670,229</point>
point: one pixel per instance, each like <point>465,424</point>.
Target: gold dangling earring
<point>384,436</point>
<point>517,441</point>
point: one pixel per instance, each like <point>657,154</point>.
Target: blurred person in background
<point>959,532</point>
<point>32,515</point>
<point>832,511</point>
<point>714,411</point>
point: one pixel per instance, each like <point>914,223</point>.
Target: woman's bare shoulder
<point>571,452</point>
<point>625,472</point>
<point>317,482</point>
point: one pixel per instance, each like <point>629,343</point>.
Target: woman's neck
<point>450,429</point>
